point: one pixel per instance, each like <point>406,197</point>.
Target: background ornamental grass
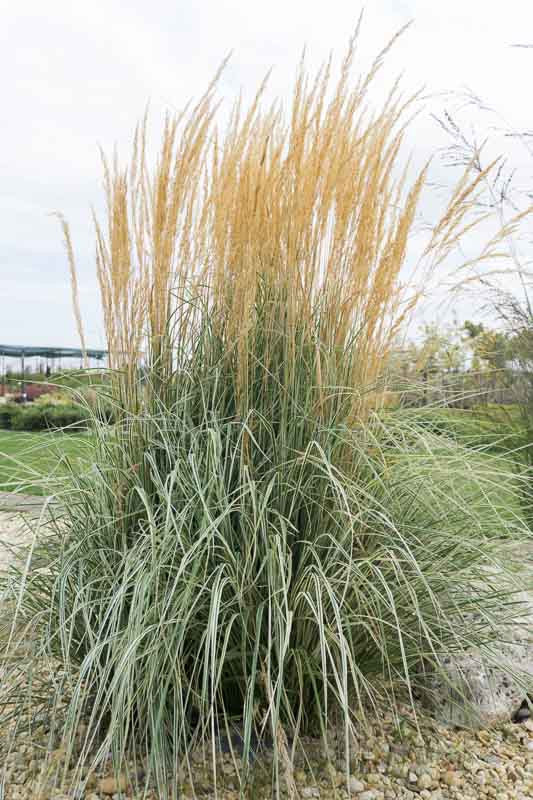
<point>257,543</point>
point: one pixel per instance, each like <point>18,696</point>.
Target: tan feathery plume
<point>73,284</point>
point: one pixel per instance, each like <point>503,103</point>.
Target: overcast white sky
<point>77,74</point>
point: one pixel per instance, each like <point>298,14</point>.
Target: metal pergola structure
<point>15,351</point>
<point>24,351</point>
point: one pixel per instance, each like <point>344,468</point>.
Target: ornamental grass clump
<point>255,548</point>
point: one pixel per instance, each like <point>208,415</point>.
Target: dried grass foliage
<point>316,205</point>
<point>75,294</point>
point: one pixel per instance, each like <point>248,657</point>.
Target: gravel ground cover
<point>434,763</point>
<point>422,759</point>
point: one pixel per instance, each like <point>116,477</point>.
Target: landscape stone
<point>113,785</point>
<point>371,794</point>
<point>355,786</point>
<point>425,781</point>
<point>476,693</point>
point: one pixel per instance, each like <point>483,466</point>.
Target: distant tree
<point>443,347</point>
<point>473,329</point>
<point>494,348</point>
<point>459,348</point>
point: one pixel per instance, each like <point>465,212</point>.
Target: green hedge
<point>7,412</point>
<point>42,417</point>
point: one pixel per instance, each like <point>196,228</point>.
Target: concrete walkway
<point>11,502</point>
<point>19,516</point>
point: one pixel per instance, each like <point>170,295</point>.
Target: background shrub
<point>7,412</point>
<point>70,417</point>
<point>30,419</point>
<point>41,417</point>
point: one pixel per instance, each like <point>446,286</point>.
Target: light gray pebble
<point>371,794</point>
<point>356,786</point>
<point>425,781</point>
